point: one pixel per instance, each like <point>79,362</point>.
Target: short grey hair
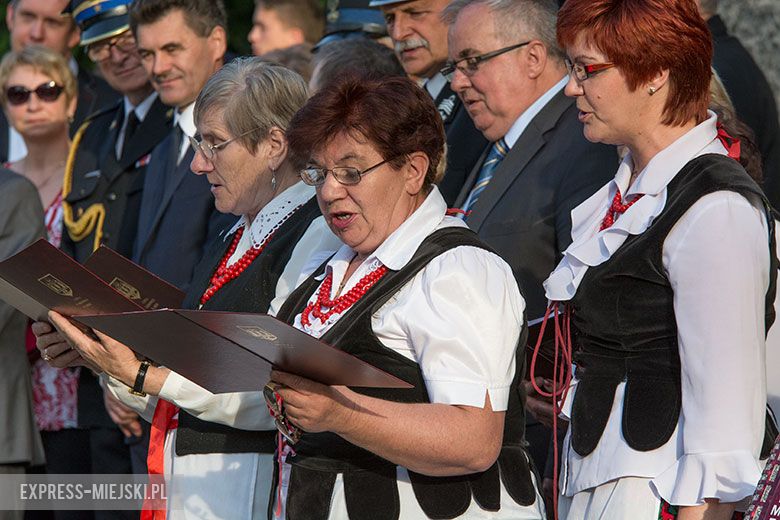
<point>516,20</point>
<point>254,94</point>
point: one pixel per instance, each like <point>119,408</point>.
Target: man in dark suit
<point>41,22</point>
<point>420,39</point>
<point>751,94</point>
<point>507,69</point>
<point>181,44</point>
<point>102,194</point>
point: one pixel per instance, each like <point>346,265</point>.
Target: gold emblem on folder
<point>56,285</point>
<point>258,332</point>
<point>125,289</point>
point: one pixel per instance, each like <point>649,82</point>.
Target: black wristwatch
<point>138,387</point>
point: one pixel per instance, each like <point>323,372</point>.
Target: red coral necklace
<point>224,274</point>
<point>343,302</point>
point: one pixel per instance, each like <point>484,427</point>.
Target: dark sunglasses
<point>48,92</point>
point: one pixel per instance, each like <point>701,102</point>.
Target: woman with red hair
<point>414,292</point>
<point>669,280</point>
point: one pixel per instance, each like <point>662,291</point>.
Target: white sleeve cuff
<point>460,393</point>
<point>242,410</point>
<point>728,476</point>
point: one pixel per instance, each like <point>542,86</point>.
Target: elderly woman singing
<point>213,446</point>
<point>670,277</point>
<point>414,292</point>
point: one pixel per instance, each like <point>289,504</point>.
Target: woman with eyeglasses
<point>414,292</point>
<point>669,281</point>
<point>38,97</point>
<point>216,450</point>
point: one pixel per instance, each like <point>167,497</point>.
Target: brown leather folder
<point>234,352</point>
<point>41,278</point>
<point>133,281</point>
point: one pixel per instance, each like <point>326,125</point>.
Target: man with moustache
<point>102,197</point>
<point>41,22</point>
<point>181,44</point>
<point>420,40</point>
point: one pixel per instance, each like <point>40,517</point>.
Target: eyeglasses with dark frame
<point>469,66</point>
<point>345,175</point>
<point>581,72</point>
<point>209,151</point>
<point>48,92</point>
<point>101,51</point>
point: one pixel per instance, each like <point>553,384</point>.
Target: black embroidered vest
<point>252,291</point>
<point>370,486</point>
<point>624,324</point>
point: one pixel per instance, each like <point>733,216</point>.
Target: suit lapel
<point>527,146</point>
<point>172,180</point>
<point>109,167</point>
<point>447,103</point>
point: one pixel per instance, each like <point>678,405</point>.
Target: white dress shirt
<point>458,318</point>
<point>185,119</point>
<point>716,259</point>
<point>200,483</point>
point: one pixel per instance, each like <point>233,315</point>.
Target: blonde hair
<point>44,61</point>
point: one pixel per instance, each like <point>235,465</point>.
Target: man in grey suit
<point>507,69</point>
<point>21,223</point>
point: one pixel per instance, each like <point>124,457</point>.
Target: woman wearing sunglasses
<point>415,293</point>
<point>670,278</point>
<point>38,96</point>
<point>217,450</point>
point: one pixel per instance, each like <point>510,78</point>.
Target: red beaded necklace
<point>343,302</point>
<point>617,208</point>
<point>224,274</point>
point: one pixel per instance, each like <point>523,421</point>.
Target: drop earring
<point>273,180</point>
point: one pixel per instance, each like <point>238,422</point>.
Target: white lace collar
<point>591,247</point>
<point>269,218</point>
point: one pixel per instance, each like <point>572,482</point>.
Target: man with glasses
<point>506,67</point>
<point>420,40</point>
<point>102,196</point>
<point>41,22</point>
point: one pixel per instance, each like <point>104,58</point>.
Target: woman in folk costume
<point>216,450</point>
<point>669,281</point>
<point>415,293</point>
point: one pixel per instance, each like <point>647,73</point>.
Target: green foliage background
<point>239,23</point>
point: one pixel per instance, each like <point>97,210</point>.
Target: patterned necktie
<point>497,153</point>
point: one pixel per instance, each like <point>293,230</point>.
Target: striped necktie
<point>494,157</point>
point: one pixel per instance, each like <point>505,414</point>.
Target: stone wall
<point>757,24</point>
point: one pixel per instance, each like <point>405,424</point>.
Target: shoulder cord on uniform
<point>94,216</point>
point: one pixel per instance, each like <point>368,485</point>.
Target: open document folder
<point>221,351</point>
<point>234,352</point>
